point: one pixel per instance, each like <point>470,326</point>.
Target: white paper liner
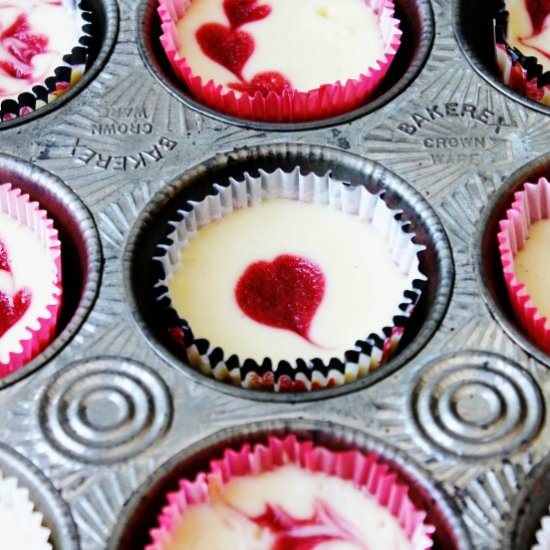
<point>21,525</point>
<point>543,534</point>
<point>354,200</point>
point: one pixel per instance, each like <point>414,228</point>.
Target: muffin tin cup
<point>141,273</point>
<point>528,521</point>
<point>365,472</point>
<point>416,24</point>
<point>366,354</point>
<point>139,516</point>
<point>328,100</point>
<point>39,330</point>
<point>530,205</point>
<point>80,256</point>
<point>81,66</point>
<point>47,501</point>
<point>523,74</point>
<point>490,274</point>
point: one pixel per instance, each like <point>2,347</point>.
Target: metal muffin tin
<point>461,411</point>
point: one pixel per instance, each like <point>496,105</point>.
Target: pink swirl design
<point>18,46</point>
<point>290,533</point>
<point>12,308</point>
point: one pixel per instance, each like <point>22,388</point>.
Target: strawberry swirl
<point>35,35</point>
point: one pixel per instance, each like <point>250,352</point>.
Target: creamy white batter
<point>223,523</point>
<point>53,19</point>
<point>532,265</point>
<point>363,286</point>
<point>310,42</point>
<point>520,31</point>
<point>32,266</point>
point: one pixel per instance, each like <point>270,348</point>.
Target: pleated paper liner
<point>542,536</point>
<point>328,100</point>
<point>40,330</point>
<point>365,471</point>
<point>524,74</point>
<point>530,205</point>
<point>20,524</point>
<point>364,355</point>
<point>63,77</point>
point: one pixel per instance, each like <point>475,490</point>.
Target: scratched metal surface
<point>469,409</point>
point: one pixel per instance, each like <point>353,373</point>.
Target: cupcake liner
<point>364,355</point>
<point>64,76</point>
<point>291,105</point>
<point>543,534</point>
<point>41,330</point>
<point>365,472</point>
<point>21,525</point>
<point>521,73</point>
<point>530,205</point>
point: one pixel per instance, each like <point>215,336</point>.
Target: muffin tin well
<point>102,26</point>
<point>141,272</point>
<point>80,250</point>
<point>418,30</point>
<point>145,505</point>
<point>531,506</point>
<point>489,266</point>
<point>474,31</point>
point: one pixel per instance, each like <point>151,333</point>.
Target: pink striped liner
<point>363,470</point>
<point>290,106</point>
<point>530,205</point>
<point>19,206</point>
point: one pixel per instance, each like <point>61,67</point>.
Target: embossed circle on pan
<point>56,514</point>
<point>474,31</point>
<point>151,228</point>
<point>103,29</point>
<point>489,266</point>
<point>417,24</point>
<point>80,251</point>
<point>140,513</point>
<point>105,410</point>
<point>475,405</point>
<point>530,506</point>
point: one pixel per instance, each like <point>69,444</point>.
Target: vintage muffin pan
<point>110,417</point>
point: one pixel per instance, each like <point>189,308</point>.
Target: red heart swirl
<point>228,47</point>
<point>240,12</point>
<point>284,293</point>
<point>269,81</point>
<point>12,309</point>
<point>4,261</point>
<point>19,40</point>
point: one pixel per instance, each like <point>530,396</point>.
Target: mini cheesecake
<point>289,494</point>
<point>233,42</point>
<point>287,508</point>
<point>30,279</point>
<point>288,281</point>
<point>280,60</point>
